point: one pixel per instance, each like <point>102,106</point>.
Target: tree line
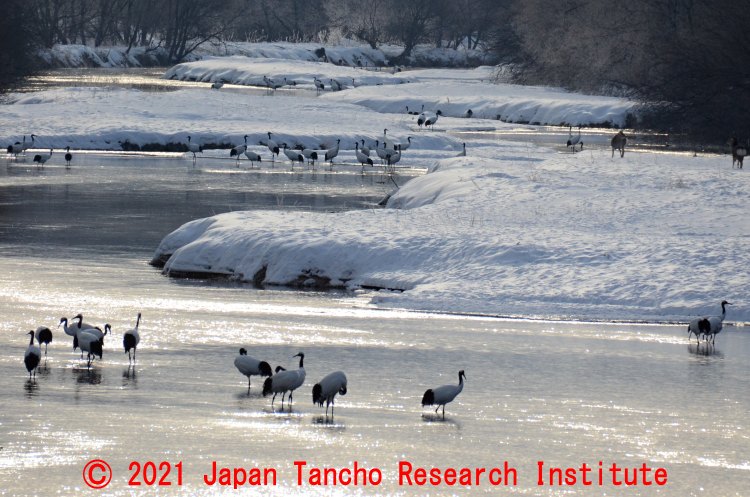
<point>687,60</point>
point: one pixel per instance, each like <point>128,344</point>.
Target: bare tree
<point>16,45</point>
<point>190,23</point>
<point>363,19</point>
<point>410,24</point>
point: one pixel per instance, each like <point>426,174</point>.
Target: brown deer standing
<point>618,143</point>
<point>738,152</point>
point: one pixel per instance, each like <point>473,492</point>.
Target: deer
<point>738,152</point>
<point>618,143</point>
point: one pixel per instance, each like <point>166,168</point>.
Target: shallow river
<point>78,240</point>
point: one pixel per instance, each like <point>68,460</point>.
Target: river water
<point>79,239</point>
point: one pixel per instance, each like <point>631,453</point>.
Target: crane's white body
<point>404,146</point>
<point>17,147</point>
<point>574,140</point>
<point>311,155</point>
<point>252,157</point>
<point>91,344</point>
<point>327,388</point>
<point>708,326</point>
<point>285,381</point>
<point>365,150</point>
<point>361,157</point>
<point>194,147</point>
<point>294,155</point>
<point>132,338</point>
<point>32,356</point>
<point>444,394</point>
<point>273,147</point>
<point>332,152</point>
<point>42,158</point>
<point>431,119</point>
<point>250,366</point>
<point>238,150</point>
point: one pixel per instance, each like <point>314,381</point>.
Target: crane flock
<point>284,381</point>
<point>707,327</point>
<point>388,151</point>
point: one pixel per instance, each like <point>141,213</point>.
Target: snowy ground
<point>453,92</point>
<point>345,52</point>
<point>511,229</point>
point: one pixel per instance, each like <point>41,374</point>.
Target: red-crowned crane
<point>32,356</point>
<point>250,366</point>
<point>131,339</point>
<point>252,157</point>
<point>73,329</point>
<point>431,119</point>
<point>327,388</point>
<point>91,344</point>
<point>273,147</point>
<point>68,156</point>
<point>361,157</point>
<point>43,335</point>
<point>311,156</point>
<point>194,147</point>
<point>17,147</point>
<point>708,326</point>
<point>574,140</point>
<point>319,86</point>
<point>239,149</point>
<point>443,395</point>
<point>332,152</point>
<point>26,146</point>
<point>285,381</point>
<point>294,155</point>
<point>40,159</point>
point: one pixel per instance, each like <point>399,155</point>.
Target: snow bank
<point>506,102</point>
<point>60,56</point>
<point>106,118</point>
<point>247,71</point>
<point>452,91</point>
<point>584,236</point>
<point>347,53</point>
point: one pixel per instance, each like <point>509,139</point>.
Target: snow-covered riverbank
<point>347,53</point>
<point>512,229</point>
<point>512,232</point>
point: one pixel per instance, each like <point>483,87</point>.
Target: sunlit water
<point>78,240</point>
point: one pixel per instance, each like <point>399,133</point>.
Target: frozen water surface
<point>79,240</point>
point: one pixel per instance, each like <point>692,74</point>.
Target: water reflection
<point>439,419</point>
<point>129,378</point>
<point>705,349</point>
<point>31,387</point>
<point>329,424</point>
<point>87,376</point>
<point>43,371</point>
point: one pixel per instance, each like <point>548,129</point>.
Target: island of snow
<point>540,234</point>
